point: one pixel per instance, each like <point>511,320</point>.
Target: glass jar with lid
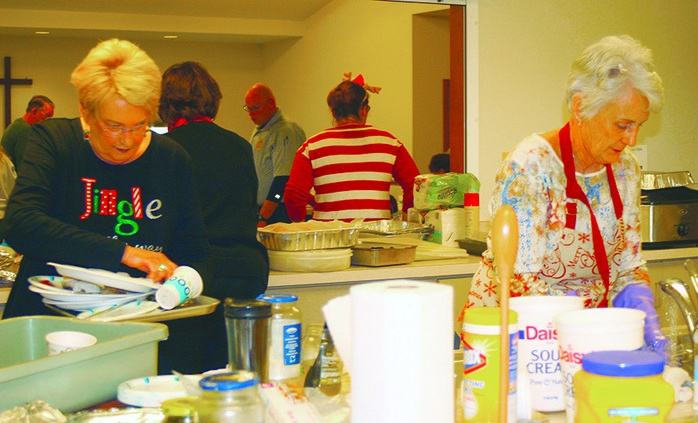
<point>284,344</point>
<point>230,398</point>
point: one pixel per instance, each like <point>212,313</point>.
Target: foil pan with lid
<point>391,228</point>
<point>658,180</point>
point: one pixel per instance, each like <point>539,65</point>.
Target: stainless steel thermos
<point>247,323</point>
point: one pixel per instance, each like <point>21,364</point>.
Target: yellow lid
<point>487,316</point>
<point>179,407</point>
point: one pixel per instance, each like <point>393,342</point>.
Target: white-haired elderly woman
<point>102,191</point>
<point>575,191</point>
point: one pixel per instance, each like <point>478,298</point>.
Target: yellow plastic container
<point>622,386</point>
<point>479,390</point>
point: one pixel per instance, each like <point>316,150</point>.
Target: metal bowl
<point>659,180</point>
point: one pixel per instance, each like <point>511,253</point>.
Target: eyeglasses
<point>44,114</point>
<point>115,130</point>
<point>254,108</point>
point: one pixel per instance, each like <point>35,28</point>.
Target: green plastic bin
<point>77,379</point>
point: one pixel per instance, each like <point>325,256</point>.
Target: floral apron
<point>575,257</point>
<point>581,262</point>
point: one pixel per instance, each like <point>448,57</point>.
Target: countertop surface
<point>426,269</point>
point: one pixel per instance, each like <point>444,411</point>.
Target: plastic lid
<point>278,298</point>
<point>487,316</point>
<point>179,407</point>
<point>623,363</point>
<point>247,309</point>
<point>471,199</point>
<point>229,381</point>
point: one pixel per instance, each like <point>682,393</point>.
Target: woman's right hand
<point>156,265</point>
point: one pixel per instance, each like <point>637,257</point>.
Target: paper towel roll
<point>402,352</point>
<point>420,189</point>
<point>337,314</point>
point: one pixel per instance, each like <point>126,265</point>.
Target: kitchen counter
<point>314,289</point>
<point>426,269</point>
<point>670,254</point>
<point>423,269</point>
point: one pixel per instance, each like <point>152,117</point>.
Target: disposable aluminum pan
<point>659,180</point>
<point>388,228</point>
<point>373,254</point>
<point>319,239</point>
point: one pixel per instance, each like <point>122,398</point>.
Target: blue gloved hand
<point>640,297</point>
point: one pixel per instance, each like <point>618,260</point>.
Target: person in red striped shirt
<point>350,166</point>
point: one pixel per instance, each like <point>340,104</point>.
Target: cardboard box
<point>449,224</point>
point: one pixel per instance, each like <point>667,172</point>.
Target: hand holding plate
<point>156,265</point>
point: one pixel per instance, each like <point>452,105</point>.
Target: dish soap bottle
<point>471,204</point>
<point>326,372</point>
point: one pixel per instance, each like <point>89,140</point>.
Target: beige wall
<point>369,37</point>
<point>430,45</point>
<point>522,53</point>
<point>525,50</point>
<point>49,62</point>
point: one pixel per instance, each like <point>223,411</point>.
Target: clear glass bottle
<point>326,372</point>
<point>310,346</point>
<point>284,357</point>
<point>230,398</point>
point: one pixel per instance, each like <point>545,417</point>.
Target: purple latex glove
<point>639,296</point>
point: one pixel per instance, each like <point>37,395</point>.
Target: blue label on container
<point>292,344</point>
<point>633,412</point>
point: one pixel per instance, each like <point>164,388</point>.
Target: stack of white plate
<point>80,289</point>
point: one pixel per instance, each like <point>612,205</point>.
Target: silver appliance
<point>668,210</point>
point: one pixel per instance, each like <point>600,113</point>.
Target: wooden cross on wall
<point>8,82</point>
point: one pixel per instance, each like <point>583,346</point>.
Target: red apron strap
<point>574,191</point>
<point>571,217</point>
<point>615,195</point>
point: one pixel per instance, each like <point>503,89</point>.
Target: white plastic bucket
<point>539,355</point>
<point>596,329</point>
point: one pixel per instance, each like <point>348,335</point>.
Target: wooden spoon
<point>505,243</point>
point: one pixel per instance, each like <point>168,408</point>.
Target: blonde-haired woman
<point>102,191</point>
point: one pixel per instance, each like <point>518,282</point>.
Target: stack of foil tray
<point>308,236</point>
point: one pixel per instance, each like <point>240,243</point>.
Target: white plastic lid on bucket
<point>602,329</point>
<point>594,329</point>
<point>544,304</point>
